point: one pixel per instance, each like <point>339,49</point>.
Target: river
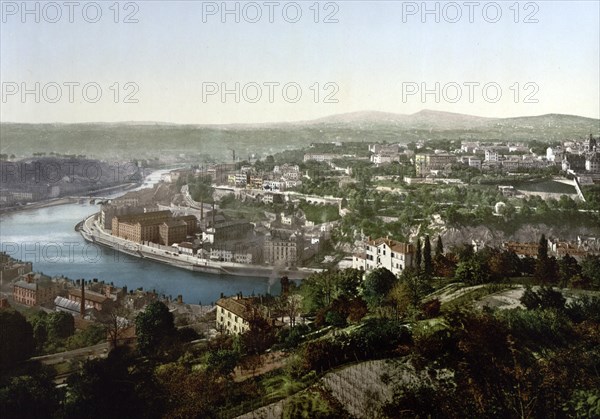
<point>46,237</point>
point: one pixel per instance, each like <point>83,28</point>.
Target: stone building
<point>156,227</point>
<point>283,247</point>
<point>34,289</point>
<point>233,314</point>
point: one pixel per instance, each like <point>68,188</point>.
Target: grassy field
<point>549,186</point>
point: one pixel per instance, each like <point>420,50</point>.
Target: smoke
<point>274,275</point>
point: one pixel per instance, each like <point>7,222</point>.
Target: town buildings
<point>425,163</point>
<point>321,157</point>
<point>227,230</point>
<point>12,268</point>
<point>156,227</point>
<point>93,299</point>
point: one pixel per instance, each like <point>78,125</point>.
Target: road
<point>90,352</point>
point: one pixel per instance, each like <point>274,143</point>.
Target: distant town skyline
<point>192,63</point>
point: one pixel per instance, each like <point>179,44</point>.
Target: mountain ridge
<point>367,116</point>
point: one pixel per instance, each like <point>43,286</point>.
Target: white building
<point>475,162</point>
<point>382,158</point>
<point>233,315</point>
<point>385,253</point>
<point>321,157</point>
<point>491,155</point>
<point>592,163</point>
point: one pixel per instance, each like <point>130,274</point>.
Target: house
<point>93,299</point>
<point>592,162</point>
<point>68,306</point>
<point>491,155</point>
<point>233,314</point>
<point>384,253</point>
<point>283,247</point>
<point>33,289</point>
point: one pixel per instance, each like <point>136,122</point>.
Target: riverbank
<point>92,232</point>
<point>40,204</point>
<point>70,199</point>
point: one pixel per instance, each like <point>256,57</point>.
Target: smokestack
<point>213,215</point>
<point>82,308</point>
<point>202,210</point>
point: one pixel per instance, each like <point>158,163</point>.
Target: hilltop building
<point>233,314</point>
<point>384,253</point>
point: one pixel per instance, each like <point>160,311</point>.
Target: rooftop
<point>241,307</point>
<point>392,244</point>
<point>89,295</point>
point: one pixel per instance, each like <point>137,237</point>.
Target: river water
<point>47,237</point>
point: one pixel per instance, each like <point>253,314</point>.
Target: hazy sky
<point>489,58</point>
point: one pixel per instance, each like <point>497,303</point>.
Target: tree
<point>427,260</point>
<point>16,338</point>
<point>260,335</point>
<point>471,272</point>
<point>590,268</point>
<point>546,269</point>
<point>155,328</point>
<point>418,254</point>
<point>318,290</point>
<point>116,323</point>
<point>348,281</point>
<point>114,387</point>
<point>464,252</point>
<point>542,253</point>
<point>321,288</point>
<point>377,285</point>
<point>504,264</point>
<point>544,298</point>
<point>29,396</point>
<point>409,291</point>
<point>285,285</point>
<point>439,246</point>
<point>567,269</point>
<point>223,361</point>
<point>60,325</point>
<point>292,307</point>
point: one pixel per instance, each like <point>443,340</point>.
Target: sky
<point>219,62</point>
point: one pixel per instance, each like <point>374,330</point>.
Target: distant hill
<point>425,119</point>
<point>150,139</point>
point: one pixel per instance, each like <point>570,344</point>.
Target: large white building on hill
<point>385,253</point>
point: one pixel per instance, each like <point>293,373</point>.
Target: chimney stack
<point>82,307</point>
